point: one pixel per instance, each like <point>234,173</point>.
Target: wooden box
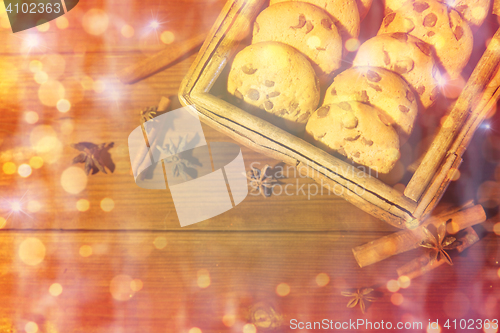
<point>430,179</point>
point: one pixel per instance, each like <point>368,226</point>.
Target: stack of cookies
<point>296,47</point>
<point>369,109</point>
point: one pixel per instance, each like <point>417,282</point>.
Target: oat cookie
<point>438,25</point>
<point>380,88</point>
<point>406,55</point>
<point>278,79</point>
<point>345,14</point>
<point>355,130</point>
<point>473,11</point>
<point>305,27</point>
<point>392,5</point>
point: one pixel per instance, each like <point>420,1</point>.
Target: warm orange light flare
<point>322,279</point>
<point>283,289</point>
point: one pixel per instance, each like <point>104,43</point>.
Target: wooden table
<point>128,266</point>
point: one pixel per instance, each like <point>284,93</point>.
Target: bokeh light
<point>36,162</point>
<point>32,251</point>
<point>352,44</point>
<point>31,327</point>
<point>55,289</point>
<point>9,168</point>
<point>203,280</point>
<point>43,27</point>
<point>228,320</point>
<point>3,222</point>
<point>282,289</point>
<point>496,228</point>
<point>62,22</point>
<point>82,205</point>
<point>404,281</point>
<point>322,279</point>
<point>397,299</point>
<point>249,328</point>
<point>63,105</point>
<point>136,285</point>
<point>433,327</point>
<point>120,288</point>
<point>454,174</point>
<point>160,242</point>
<point>127,31</point>
<point>491,328</point>
<point>24,170</point>
<point>400,187</point>
<point>85,251</point>
<point>393,286</point>
<point>95,22</point>
<point>167,37</point>
<point>107,204</point>
<point>41,77</point>
<point>87,83</point>
<point>313,42</point>
<point>31,117</point>
<point>73,180</point>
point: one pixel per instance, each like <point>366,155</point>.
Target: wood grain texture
<point>244,268</point>
<point>99,117</point>
<point>247,251</point>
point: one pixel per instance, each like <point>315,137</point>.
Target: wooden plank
<point>244,269</point>
<point>103,117</point>
<point>183,18</point>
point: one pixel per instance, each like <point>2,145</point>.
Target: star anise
<point>148,113</point>
<point>360,296</point>
<point>260,181</point>
<point>441,244</point>
<point>93,156</point>
<point>179,164</point>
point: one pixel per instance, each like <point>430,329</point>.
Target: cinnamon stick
<point>140,160</point>
<point>160,60</point>
<point>467,101</point>
<point>406,240</point>
<point>489,99</point>
<point>423,264</point>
